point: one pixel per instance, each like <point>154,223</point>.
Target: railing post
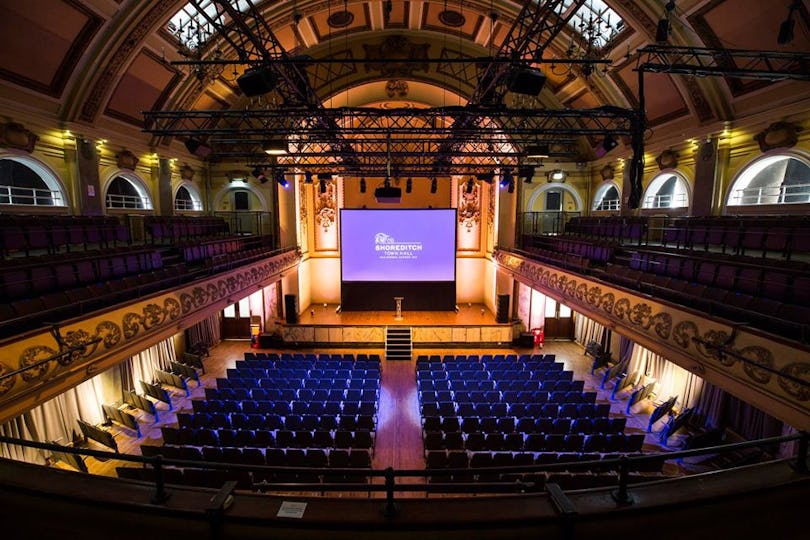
<point>391,508</point>
<point>801,455</point>
<point>621,496</point>
<point>161,495</point>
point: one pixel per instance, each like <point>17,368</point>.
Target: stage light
<point>786,28</point>
<point>434,186</point>
<point>259,174</point>
<point>307,177</point>
<point>362,185</point>
<point>507,180</point>
<point>608,144</point>
<point>275,147</point>
<point>663,28</point>
<point>486,177</point>
<point>281,180</point>
<point>408,185</point>
<point>527,173</point>
<point>468,188</point>
<point>321,185</point>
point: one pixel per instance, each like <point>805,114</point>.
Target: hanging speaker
<point>290,309</point>
<point>255,82</point>
<point>525,81</point>
<point>502,311</point>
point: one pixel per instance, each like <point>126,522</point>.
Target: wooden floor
<point>399,437</point>
<point>467,314</point>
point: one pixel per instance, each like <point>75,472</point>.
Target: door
<point>236,320</point>
<point>559,323</point>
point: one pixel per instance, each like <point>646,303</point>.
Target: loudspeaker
<point>525,81</point>
<point>502,312</point>
<point>291,309</point>
<point>662,31</point>
<point>255,82</point>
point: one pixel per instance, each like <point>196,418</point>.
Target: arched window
<point>607,198</point>
<point>774,179</point>
<point>129,193</point>
<point>26,182</point>
<point>186,198</point>
<point>667,190</point>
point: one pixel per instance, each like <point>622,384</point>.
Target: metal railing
<point>622,465</point>
<point>781,194</point>
<point>30,196</point>
<point>247,222</point>
<point>668,200</point>
<point>608,205</point>
<point>537,223</point>
<point>187,204</point>
<point>135,202</point>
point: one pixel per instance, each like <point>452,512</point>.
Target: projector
<point>390,195</point>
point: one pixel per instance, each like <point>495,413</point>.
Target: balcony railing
<point>30,196</point>
<point>187,205</point>
<point>608,205</point>
<point>133,202</point>
<point>669,200</point>
<point>782,194</point>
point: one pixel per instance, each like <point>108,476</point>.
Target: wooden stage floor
<point>467,315</point>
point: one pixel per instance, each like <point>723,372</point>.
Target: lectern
<point>398,314</point>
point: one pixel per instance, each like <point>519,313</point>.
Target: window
<point>27,184</point>
<point>126,193</point>
<point>595,20</point>
<point>607,198</point>
<point>241,200</point>
<point>554,200</point>
<point>776,179</point>
<point>187,198</point>
<point>667,190</point>
<point>195,28</point>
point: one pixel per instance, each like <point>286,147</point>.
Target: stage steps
<point>398,344</point>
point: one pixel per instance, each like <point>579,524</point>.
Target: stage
<point>322,325</point>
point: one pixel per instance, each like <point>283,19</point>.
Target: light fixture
<point>527,173</point>
<point>275,147</point>
<point>362,185</point>
<point>321,184</point>
<point>786,28</point>
<point>468,187</point>
<point>259,174</point>
<point>198,148</point>
<point>488,177</point>
<point>408,185</point>
<point>662,31</point>
<point>608,144</point>
<point>307,177</point>
<point>540,151</point>
<point>507,180</point>
<point>281,180</point>
<point>557,175</point>
<point>434,186</point>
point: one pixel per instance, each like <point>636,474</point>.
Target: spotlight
<point>507,179</point>
<point>486,177</point>
<point>527,173</point>
<point>362,185</point>
<point>434,186</point>
<point>408,185</point>
<point>557,175</point>
<point>307,177</point>
<point>321,185</point>
<point>786,28</point>
<point>663,28</point>
<point>259,174</point>
<point>608,144</point>
<point>281,180</point>
<point>468,188</point>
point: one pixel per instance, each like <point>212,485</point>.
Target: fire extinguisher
<point>539,337</point>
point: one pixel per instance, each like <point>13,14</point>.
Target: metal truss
<point>254,42</point>
<point>535,27</point>
<point>744,64</point>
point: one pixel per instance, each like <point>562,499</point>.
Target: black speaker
<point>525,81</point>
<point>291,309</point>
<point>662,31</point>
<point>255,82</point>
<point>502,312</point>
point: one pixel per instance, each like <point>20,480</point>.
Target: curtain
<point>207,332</point>
<point>587,330</point>
<point>671,379</point>
<point>142,366</point>
<point>625,349</point>
<point>717,409</point>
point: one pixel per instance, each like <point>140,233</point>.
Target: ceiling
<point>95,66</point>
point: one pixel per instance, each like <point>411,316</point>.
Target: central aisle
<point>399,429</point>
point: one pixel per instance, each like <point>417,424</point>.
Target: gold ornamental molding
<point>738,359</point>
<point>81,348</point>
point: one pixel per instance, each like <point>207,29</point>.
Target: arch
<point>668,189</point>
<point>188,197</point>
<point>58,195</point>
<point>551,186</point>
<point>141,200</point>
<point>238,185</point>
<point>607,198</point>
<point>776,177</point>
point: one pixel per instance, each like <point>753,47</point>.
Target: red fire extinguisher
<point>539,337</point>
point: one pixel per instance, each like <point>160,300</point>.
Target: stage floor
<point>473,315</point>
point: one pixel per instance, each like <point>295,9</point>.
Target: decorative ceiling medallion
<point>396,88</point>
<point>340,19</point>
<point>448,17</point>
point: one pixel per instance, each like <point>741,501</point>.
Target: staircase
<point>398,343</point>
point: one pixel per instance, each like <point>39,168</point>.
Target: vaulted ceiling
<point>96,65</point>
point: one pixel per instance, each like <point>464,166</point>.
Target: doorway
<point>559,322</point>
<point>236,320</point>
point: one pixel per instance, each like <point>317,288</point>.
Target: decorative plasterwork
<point>469,206</point>
<point>771,366</point>
<point>778,135</point>
<point>14,135</point>
<point>393,48</point>
<point>106,333</point>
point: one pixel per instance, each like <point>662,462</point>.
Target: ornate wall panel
<point>326,216</point>
<point>100,341</point>
<point>771,368</point>
<point>469,217</point>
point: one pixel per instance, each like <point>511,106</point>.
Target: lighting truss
<point>744,64</point>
